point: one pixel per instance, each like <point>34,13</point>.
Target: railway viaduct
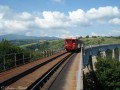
<point>88,57</point>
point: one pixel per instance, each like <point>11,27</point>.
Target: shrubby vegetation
<point>106,76</point>
<point>44,45</point>
<point>97,40</point>
<point>22,42</point>
<point>12,54</point>
<point>7,48</point>
<point>7,55</point>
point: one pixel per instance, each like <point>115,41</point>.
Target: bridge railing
<point>94,49</point>
<point>80,72</point>
<point>12,60</point>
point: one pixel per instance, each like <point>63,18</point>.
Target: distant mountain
<point>23,37</point>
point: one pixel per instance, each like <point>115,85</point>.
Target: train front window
<point>66,41</point>
<point>73,41</point>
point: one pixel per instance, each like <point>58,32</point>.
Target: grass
<point>44,45</point>
<point>100,40</point>
<point>23,46</point>
<point>55,44</point>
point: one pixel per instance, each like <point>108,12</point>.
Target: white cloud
<point>13,22</point>
<point>52,20</point>
<point>24,16</point>
<point>103,12</point>
<point>115,21</point>
<point>78,16</point>
<point>58,1</point>
<point>15,25</point>
<point>4,9</point>
<point>28,34</point>
<point>94,34</point>
<point>114,33</point>
<point>48,15</point>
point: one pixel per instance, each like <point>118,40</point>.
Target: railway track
<point>22,80</point>
<point>42,80</point>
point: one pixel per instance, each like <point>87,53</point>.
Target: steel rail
<point>43,79</point>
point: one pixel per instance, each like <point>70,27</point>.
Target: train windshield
<point>70,41</point>
<point>73,41</point>
<point>66,41</point>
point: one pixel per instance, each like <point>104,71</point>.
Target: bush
<point>7,48</point>
<point>108,73</point>
<point>87,36</point>
<point>106,76</point>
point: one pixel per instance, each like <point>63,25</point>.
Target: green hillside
<point>100,40</point>
<point>44,45</point>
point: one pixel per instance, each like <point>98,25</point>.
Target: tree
<point>94,36</point>
<point>102,39</point>
<point>87,36</point>
<point>6,48</point>
<point>106,76</point>
<point>108,73</point>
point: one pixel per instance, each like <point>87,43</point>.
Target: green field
<point>100,40</point>
<point>55,44</point>
<point>44,45</point>
<point>23,46</point>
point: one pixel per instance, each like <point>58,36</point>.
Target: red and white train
<point>72,44</point>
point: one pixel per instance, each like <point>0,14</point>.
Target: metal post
<point>30,55</point>
<point>15,59</point>
<point>119,55</point>
<point>23,59</point>
<point>43,53</point>
<point>52,51</point>
<point>46,53</point>
<point>4,63</point>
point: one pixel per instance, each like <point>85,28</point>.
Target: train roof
<point>71,38</point>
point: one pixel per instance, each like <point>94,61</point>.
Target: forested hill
<point>23,37</point>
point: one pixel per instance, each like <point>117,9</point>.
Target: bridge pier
<point>116,53</point>
<point>113,54</point>
<point>94,60</point>
<point>103,54</point>
<point>103,51</point>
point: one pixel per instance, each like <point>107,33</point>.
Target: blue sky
<point>61,18</point>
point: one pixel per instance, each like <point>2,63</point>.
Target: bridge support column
<point>103,54</point>
<point>116,51</point>
<point>91,65</point>
<point>113,54</point>
<point>94,60</point>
